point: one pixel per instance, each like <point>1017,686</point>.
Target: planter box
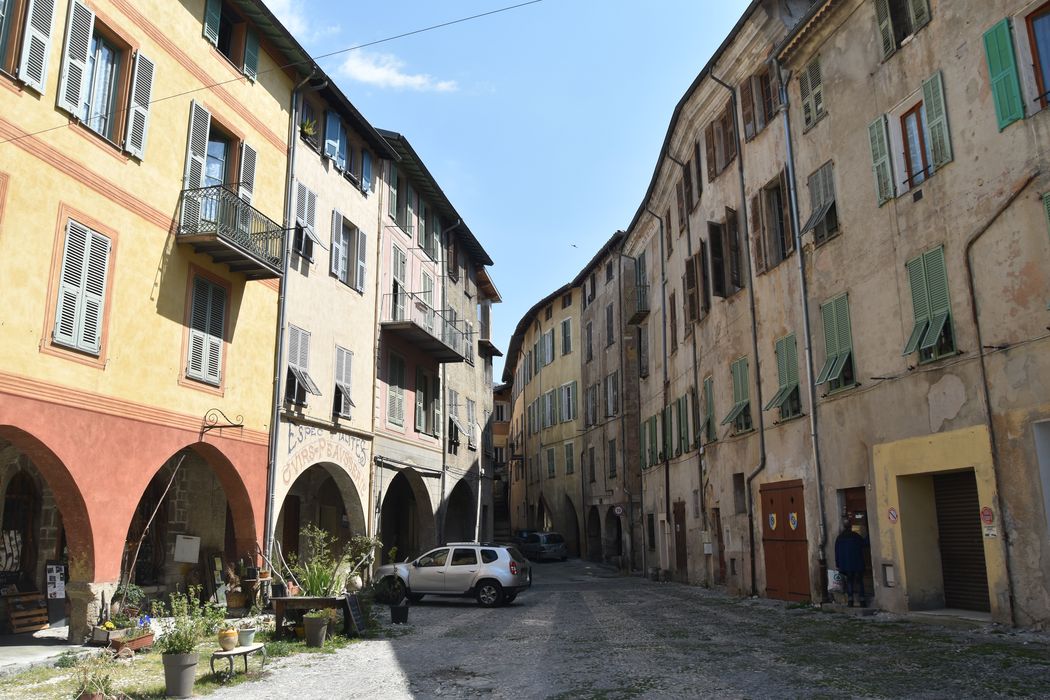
<point>143,642</point>
<point>103,637</point>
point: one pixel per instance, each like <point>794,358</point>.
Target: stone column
<point>85,600</point>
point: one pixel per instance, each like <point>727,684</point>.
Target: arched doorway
<point>594,534</point>
<point>406,520</point>
<point>203,516</point>
<point>460,514</point>
<point>613,536</point>
<point>543,515</point>
<point>325,495</point>
<point>571,528</point>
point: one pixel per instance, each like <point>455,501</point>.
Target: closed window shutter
<point>337,256</point>
<point>831,348</point>
<point>885,24</point>
<point>138,107</point>
<point>421,383</point>
<point>709,145</point>
<point>1002,73</point>
<point>247,183</point>
<point>747,108</point>
<point>71,284</point>
<point>757,235</point>
<point>395,391</point>
<point>435,401</point>
<point>216,322</point>
<point>361,259</point>
<point>816,86</point>
<point>919,303</point>
<point>937,290</point>
<point>392,202</point>
<point>36,43</point>
<point>94,297</point>
<point>937,119</point>
<point>331,135</point>
<point>806,95</point>
<point>206,328</point>
<point>212,19</point>
<point>366,171</point>
<point>782,362</point>
<point>920,13</point>
<point>196,153</point>
<point>71,83</point>
<point>880,160</point>
<point>251,55</point>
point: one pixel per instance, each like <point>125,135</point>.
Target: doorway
<point>680,553</point>
<point>784,543</point>
<point>960,542</point>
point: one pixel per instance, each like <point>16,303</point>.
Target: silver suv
<point>493,573</point>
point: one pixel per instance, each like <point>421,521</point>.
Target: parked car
<point>545,545</point>
<point>518,537</point>
<point>494,574</point>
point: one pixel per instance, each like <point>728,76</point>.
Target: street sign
<point>893,515</point>
<point>987,515</point>
<point>618,510</point>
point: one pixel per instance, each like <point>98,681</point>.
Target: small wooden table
<point>244,652</point>
<point>286,604</point>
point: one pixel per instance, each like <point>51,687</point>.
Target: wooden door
<point>784,542</point>
<point>681,558</point>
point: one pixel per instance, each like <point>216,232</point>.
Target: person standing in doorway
<point>849,559</point>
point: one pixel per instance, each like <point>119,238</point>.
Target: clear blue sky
<point>541,124</point>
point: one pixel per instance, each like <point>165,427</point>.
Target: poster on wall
<point>57,574</point>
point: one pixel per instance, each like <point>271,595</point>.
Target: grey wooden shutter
<point>247,185</point>
<point>293,346</point>
<point>337,256</point>
<point>36,43</point>
<point>885,23</point>
<point>361,260</point>
<point>138,106</point>
<point>421,382</point>
<point>937,120</point>
<point>806,95</point>
<point>435,402</point>
<point>251,54</point>
<point>70,284</point>
<point>212,19</point>
<point>216,325</point>
<point>71,83</point>
<point>196,154</point>
<point>198,333</point>
<point>93,299</point>
<point>880,160</point>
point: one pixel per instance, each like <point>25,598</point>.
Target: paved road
<point>585,632</point>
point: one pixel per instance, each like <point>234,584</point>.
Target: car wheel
<point>415,597</point>
<point>508,598</point>
<point>489,594</point>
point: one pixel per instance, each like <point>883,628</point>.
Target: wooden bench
<point>244,652</point>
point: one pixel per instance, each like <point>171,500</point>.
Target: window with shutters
<point>720,142</point>
<point>552,463</point>
<point>343,371</point>
<point>299,383</point>
<point>348,256</point>
<point>82,289</point>
<point>207,330</point>
<point>679,191</point>
<point>811,93</point>
<point>570,458</point>
<point>643,350</point>
<point>726,258</point>
<point>566,301</point>
<point>309,127</point>
<point>740,415</point>
<point>589,337</point>
<point>472,422</point>
<point>698,182</point>
<point>771,224</point>
<point>305,221</point>
<point>548,313</point>
<point>838,369</point>
<point>787,397</point>
<point>337,145</point>
<point>611,461</point>
<point>911,143</point>
<point>610,326</point>
<point>395,390</point>
<point>759,99</point>
<point>566,336</point>
<point>229,32</point>
<point>708,429</point>
<point>823,219</point>
<point>26,31</point>
<point>896,20</point>
<point>668,237</point>
<point>932,334</point>
<point>612,394</point>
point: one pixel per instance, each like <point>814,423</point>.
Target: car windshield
<point>555,538</point>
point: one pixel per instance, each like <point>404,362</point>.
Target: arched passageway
<point>460,514</point>
<point>594,534</point>
<point>613,536</point>
<point>323,495</point>
<point>406,520</point>
<point>571,528</point>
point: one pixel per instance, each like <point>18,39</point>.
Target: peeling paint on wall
<point>946,399</point>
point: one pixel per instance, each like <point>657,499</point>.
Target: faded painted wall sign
<point>308,446</point>
<point>893,515</point>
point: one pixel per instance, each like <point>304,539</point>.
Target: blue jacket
<point>849,552</point>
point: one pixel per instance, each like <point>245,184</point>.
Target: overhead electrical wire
<point>311,59</point>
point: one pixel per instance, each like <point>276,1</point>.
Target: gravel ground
<point>585,632</point>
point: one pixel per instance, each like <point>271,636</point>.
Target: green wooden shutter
<point>882,17</point>
<point>1046,208</point>
<point>212,19</point>
<point>251,55</point>
<point>843,336</point>
<point>1002,73</point>
<point>937,288</point>
<point>937,120</point>
<point>919,303</point>
<point>831,348</point>
<point>421,406</point>
<point>72,79</point>
<point>782,361</point>
<point>880,159</point>
<point>36,43</point>
<point>919,10</point>
<point>141,96</point>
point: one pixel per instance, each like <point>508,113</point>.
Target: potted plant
<point>93,677</point>
<point>246,630</point>
<point>178,645</point>
<point>228,638</point>
<point>308,129</point>
<point>138,636</point>
<point>391,590</point>
<point>316,624</point>
<point>107,632</point>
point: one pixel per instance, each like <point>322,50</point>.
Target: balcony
<point>636,303</point>
<point>218,223</point>
<point>407,316</point>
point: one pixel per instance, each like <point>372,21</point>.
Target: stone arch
<point>406,518</point>
<point>543,515</point>
<point>460,513</point>
<point>571,528</point>
<point>613,535</point>
<point>325,494</point>
<point>594,534</point>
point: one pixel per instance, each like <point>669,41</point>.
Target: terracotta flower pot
<point>227,639</point>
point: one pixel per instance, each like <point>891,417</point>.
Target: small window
<point>608,272</point>
<point>82,289</point>
<point>299,382</point>
<point>740,415</point>
<point>787,398</point>
<point>569,459</point>
<point>489,555</point>
<point>899,19</point>
<point>566,301</point>
<point>464,557</point>
<point>932,334</point>
<point>838,369</point>
<point>823,219</point>
<point>811,90</point>
<point>548,313</point>
<point>231,35</point>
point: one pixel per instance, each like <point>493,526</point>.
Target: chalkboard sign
<point>353,605</point>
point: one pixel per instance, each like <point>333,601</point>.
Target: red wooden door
<point>784,543</point>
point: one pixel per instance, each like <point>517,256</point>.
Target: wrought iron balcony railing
<point>221,224</point>
<point>411,315</point>
<point>637,302</point>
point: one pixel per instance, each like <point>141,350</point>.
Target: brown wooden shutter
<point>699,177</point>
<point>729,133</point>
<point>785,208</point>
<point>718,260</point>
<point>732,233</point>
<point>747,108</point>
<point>758,238</point>
<point>701,279</point>
<point>709,143</point>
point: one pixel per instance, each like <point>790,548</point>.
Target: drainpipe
<point>282,299</point>
<point>971,290</point>
<point>663,337</point>
<point>754,337</point>
<point>444,380</point>
<point>800,262</point>
<point>696,356</point>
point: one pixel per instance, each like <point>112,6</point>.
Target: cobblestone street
<point>583,631</point>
